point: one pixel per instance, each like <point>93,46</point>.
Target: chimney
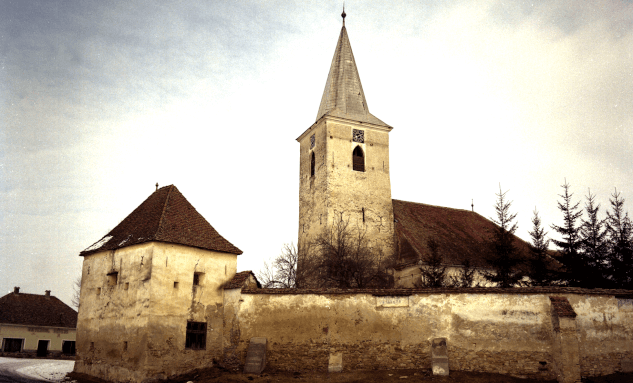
<point>47,293</point>
<point>16,290</point>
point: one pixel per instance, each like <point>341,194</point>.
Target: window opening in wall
<point>125,346</point>
<point>68,347</point>
<point>312,141</point>
<point>312,164</point>
<point>359,135</point>
<point>127,285</point>
<point>112,278</point>
<point>175,285</point>
<point>196,336</point>
<point>42,347</point>
<point>92,346</point>
<point>363,215</point>
<point>358,161</point>
<point>12,344</point>
<point>197,279</point>
<point>98,290</point>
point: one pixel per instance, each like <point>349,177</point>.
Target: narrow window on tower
<point>358,161</point>
<point>363,215</point>
<point>312,162</point>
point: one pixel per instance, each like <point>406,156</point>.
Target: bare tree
<point>282,272</point>
<point>342,257</point>
<point>76,292</point>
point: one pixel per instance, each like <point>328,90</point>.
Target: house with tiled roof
<point>36,325</point>
<point>152,293</point>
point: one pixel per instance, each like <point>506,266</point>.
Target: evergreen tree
<point>574,266</point>
<point>619,230</point>
<point>433,274</point>
<point>465,277</point>
<point>593,244</point>
<point>504,257</point>
<point>539,262</point>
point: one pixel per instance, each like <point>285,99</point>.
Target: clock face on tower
<point>359,135</point>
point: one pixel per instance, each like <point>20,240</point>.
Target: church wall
<point>408,276</point>
<point>137,327</point>
<point>352,191</point>
<point>486,332</point>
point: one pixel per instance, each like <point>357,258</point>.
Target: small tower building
<point>151,303</point>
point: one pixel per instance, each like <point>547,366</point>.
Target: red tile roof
<point>460,234</point>
<point>165,216</point>
<point>36,310</point>
<point>239,279</point>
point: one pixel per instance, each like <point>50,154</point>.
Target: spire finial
<point>343,14</point>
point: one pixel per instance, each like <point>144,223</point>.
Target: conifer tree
<point>620,236</point>
<point>574,265</point>
<point>540,265</point>
<point>433,274</point>
<point>504,257</point>
<point>593,244</point>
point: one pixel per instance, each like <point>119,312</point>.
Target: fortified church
<point>160,293</point>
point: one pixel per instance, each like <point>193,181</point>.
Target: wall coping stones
<point>445,290</point>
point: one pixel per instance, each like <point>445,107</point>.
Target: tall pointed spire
<point>343,95</point>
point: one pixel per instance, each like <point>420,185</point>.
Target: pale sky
<point>101,100</point>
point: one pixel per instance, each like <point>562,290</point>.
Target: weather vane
<point>343,14</point>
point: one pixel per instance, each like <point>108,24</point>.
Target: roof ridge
<point>162,214</point>
<point>442,207</point>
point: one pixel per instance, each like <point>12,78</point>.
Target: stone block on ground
<point>627,365</point>
<point>439,356</point>
<point>255,356</point>
<point>336,362</point>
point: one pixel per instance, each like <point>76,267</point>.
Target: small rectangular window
<point>68,347</point>
<point>98,290</point>
<point>197,279</point>
<point>175,285</point>
<point>125,346</point>
<point>112,278</point>
<point>127,285</point>
<point>12,345</point>
<point>196,336</point>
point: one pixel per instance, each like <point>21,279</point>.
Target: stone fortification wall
<point>507,331</point>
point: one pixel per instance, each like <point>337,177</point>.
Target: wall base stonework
<point>525,364</point>
<point>603,364</point>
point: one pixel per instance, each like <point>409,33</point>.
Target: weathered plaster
<point>136,328</point>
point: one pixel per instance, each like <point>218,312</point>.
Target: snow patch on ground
<point>53,371</point>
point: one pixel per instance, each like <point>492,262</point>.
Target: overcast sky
<point>101,100</point>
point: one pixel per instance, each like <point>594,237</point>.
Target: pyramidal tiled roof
<point>165,216</point>
<point>343,95</point>
<point>36,310</point>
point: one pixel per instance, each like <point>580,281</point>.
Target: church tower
<point>344,161</point>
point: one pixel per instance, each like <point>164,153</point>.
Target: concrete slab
<point>336,362</point>
<point>439,356</point>
<point>255,356</point>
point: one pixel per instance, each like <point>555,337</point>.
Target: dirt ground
<point>387,376</point>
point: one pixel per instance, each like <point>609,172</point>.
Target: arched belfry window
<point>358,161</point>
<point>312,162</point>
